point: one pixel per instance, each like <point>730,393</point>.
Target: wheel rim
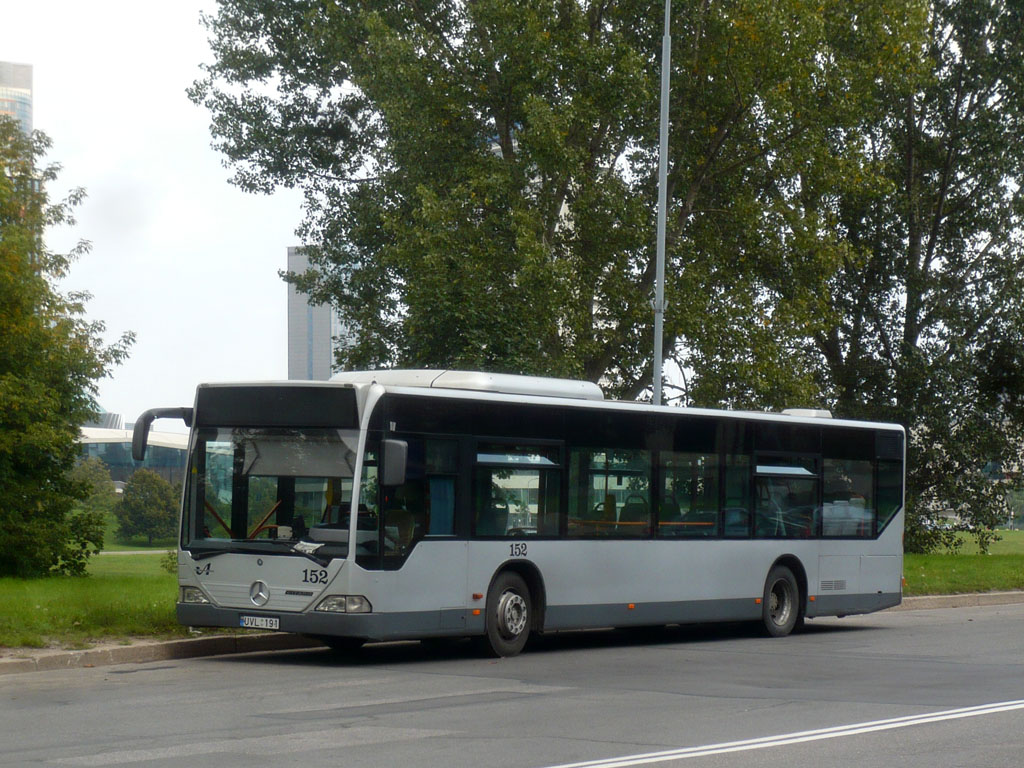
<point>780,603</point>
<point>512,615</point>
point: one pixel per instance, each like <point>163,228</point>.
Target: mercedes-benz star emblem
<point>259,593</point>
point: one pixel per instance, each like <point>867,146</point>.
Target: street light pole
<point>659,280</point>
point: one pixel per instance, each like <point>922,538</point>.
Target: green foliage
<point>169,562</point>
<point>845,200</point>
<point>480,177</point>
<point>928,326</point>
<point>50,360</point>
<point>148,507</point>
<point>92,473</point>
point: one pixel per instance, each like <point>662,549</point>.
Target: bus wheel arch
<point>785,596</point>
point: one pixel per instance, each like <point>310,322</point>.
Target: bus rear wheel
<point>780,607</point>
<point>509,614</point>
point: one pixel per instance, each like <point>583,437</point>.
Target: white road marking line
<point>796,738</point>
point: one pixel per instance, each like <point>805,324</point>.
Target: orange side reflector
<point>631,606</point>
<point>476,611</point>
<point>478,596</point>
<point>811,598</point>
<point>757,600</point>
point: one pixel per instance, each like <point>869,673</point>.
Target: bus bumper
<point>369,626</point>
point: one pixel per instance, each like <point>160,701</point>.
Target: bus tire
<point>509,614</point>
<point>780,607</point>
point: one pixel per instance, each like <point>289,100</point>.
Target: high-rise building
<point>313,329</point>
<point>16,93</point>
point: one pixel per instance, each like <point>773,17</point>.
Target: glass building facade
<point>315,331</point>
<point>166,454</point>
<point>16,93</point>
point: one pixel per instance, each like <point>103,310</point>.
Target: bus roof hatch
<point>477,381</point>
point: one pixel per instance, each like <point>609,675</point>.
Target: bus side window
<point>688,496</point>
<point>492,504</point>
<point>610,493</point>
<point>849,504</point>
<point>890,491</point>
<point>516,491</point>
<point>441,495</point>
<point>786,507</point>
<point>425,503</point>
<point>736,513</point>
<point>848,508</point>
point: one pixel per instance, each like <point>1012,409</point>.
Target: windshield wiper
<point>305,548</point>
<point>202,554</point>
<point>309,549</point>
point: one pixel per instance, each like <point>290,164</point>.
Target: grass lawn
<point>945,574</point>
<point>137,543</point>
<point>952,574</point>
<point>124,596</point>
<point>1011,543</point>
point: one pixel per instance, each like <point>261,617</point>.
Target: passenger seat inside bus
<point>636,516</point>
<point>492,520</point>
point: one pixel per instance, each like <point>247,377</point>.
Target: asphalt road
<point>913,689</point>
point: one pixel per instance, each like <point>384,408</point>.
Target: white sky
<point>179,256</point>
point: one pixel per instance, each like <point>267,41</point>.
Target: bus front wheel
<point>509,613</point>
<point>780,608</point>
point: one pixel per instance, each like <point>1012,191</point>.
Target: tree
<point>928,325</point>
<point>50,360</point>
<point>148,507</point>
<point>844,184</point>
<point>101,495</point>
<point>480,177</point>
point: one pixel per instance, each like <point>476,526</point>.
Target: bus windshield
<point>260,484</point>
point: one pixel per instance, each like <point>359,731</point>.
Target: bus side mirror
<point>394,454</point>
<point>140,435</point>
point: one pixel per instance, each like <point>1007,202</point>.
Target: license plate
<point>259,622</point>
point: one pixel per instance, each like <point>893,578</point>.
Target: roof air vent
<point>808,413</point>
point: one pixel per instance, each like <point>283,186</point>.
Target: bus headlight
<point>193,595</point>
<point>345,604</point>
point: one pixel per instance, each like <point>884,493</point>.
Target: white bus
<point>424,504</point>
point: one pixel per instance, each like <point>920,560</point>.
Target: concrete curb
<point>971,600</point>
<point>30,660</point>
